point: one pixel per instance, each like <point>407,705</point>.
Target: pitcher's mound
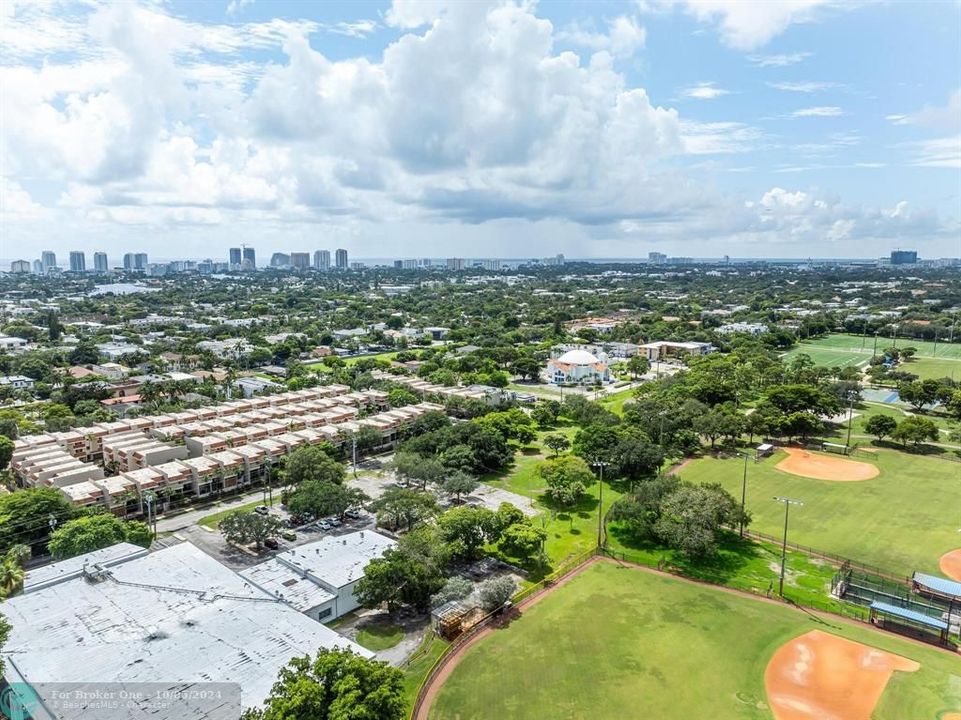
<point>824,467</point>
<point>951,566</point>
<point>818,676</point>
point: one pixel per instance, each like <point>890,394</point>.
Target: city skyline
<point>811,129</point>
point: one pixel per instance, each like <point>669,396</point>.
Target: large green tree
<point>312,463</point>
<point>26,515</point>
<point>404,508</point>
<point>567,479</point>
<point>335,685</point>
<point>243,528</point>
<point>93,532</point>
<point>320,498</point>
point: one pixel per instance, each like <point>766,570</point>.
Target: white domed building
<point>578,367</point>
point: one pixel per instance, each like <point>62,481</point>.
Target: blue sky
<point>513,129</point>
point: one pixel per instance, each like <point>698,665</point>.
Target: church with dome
<point>578,367</point>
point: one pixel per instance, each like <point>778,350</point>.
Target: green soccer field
<point>617,642</point>
<point>931,361</point>
<point>902,520</point>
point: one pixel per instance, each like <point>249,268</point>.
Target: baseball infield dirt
<point>818,676</point>
<point>951,564</point>
<point>824,467</point>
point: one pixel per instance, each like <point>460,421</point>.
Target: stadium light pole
<point>743,491</point>
<point>788,502</point>
<point>601,464</point>
<point>850,417</point>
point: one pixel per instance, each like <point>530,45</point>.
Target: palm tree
<point>19,553</point>
<point>11,578</point>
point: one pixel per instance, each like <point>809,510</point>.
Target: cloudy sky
<point>514,129</point>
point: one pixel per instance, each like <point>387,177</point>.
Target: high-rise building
<point>300,260</point>
<point>656,258</point>
<point>100,263</point>
<point>235,257</point>
<point>279,260</point>
<point>37,267</point>
<point>135,261</point>
<point>20,266</point>
<point>250,259</point>
<point>341,259</point>
<point>322,260</point>
<point>491,264</point>
<point>48,261</point>
<point>78,261</point>
<point>455,263</point>
<point>410,264</point>
<point>904,257</point>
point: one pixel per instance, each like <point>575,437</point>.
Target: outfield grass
<point>622,643</point>
<point>903,520</point>
<point>741,564</point>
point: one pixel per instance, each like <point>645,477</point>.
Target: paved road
<point>185,520</point>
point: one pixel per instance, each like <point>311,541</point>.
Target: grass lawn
<point>321,365</point>
<point>569,532</point>
<point>615,401</point>
<point>621,643</point>
<point>212,521</point>
<point>420,663</point>
<point>903,520</point>
<point>376,636</point>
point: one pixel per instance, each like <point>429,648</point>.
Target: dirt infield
<point>818,676</point>
<point>824,467</point>
<point>950,565</point>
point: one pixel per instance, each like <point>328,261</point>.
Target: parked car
<point>288,535</point>
<point>272,543</point>
<point>354,514</point>
<point>262,510</point>
<point>323,526</point>
<point>334,521</point>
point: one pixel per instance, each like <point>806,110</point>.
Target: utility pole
<point>875,352</point>
<point>151,521</point>
<point>600,501</point>
<point>354,452</point>
<point>788,502</point>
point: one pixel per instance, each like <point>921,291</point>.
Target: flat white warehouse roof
<point>338,561</point>
<point>175,616</point>
<point>290,585</point>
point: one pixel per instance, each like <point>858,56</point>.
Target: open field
<point>321,365</point>
<point>569,532</point>
<point>902,520</point>
<point>853,350</point>
<point>616,642</point>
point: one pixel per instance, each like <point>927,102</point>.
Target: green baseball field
<point>931,361</point>
<point>903,520</point>
<point>618,642</point>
